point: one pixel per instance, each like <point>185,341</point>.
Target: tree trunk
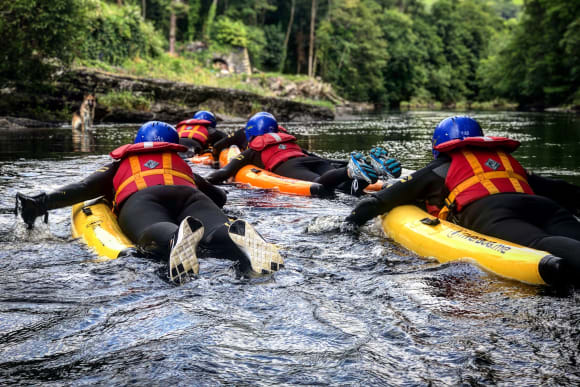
<point>144,8</point>
<point>311,44</point>
<point>172,28</point>
<point>287,37</point>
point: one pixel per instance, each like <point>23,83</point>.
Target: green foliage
<point>192,18</point>
<point>352,51</point>
<point>125,100</point>
<point>256,44</point>
<point>117,33</point>
<point>36,35</point>
<point>210,21</point>
<point>230,32</point>
<point>540,64</point>
<point>458,52</point>
<point>272,53</point>
<point>404,73</point>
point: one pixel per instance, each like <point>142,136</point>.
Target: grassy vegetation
<point>179,69</point>
<point>125,100</point>
<point>188,70</point>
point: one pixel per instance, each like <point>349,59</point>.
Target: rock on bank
<point>170,101</point>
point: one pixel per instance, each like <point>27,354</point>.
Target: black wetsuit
<point>308,168</point>
<point>150,217</point>
<point>236,138</point>
<point>543,221</point>
<point>195,147</point>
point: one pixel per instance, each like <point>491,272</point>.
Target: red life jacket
<point>194,129</point>
<point>481,166</point>
<point>147,164</point>
<point>275,148</point>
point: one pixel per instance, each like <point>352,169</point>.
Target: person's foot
<point>384,166</point>
<point>263,256</point>
<point>183,255</point>
<point>359,167</point>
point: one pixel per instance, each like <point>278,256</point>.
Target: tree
<point>192,18</point>
<point>287,36</point>
<point>311,41</point>
<point>352,51</point>
<point>36,35</point>
<point>540,64</point>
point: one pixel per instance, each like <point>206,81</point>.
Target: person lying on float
<point>272,148</point>
<point>474,181</point>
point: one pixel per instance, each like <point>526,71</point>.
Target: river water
<point>347,309</point>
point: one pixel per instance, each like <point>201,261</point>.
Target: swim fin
<point>183,255</point>
<point>264,257</point>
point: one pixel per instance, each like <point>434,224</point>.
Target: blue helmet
<point>157,131</point>
<point>457,127</point>
<point>205,115</point>
<point>261,123</point>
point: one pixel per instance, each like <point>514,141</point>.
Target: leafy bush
<point>117,33</point>
<point>230,32</point>
<point>35,35</point>
<point>272,53</point>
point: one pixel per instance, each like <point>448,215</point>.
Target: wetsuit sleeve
<point>412,189</point>
<point>100,183</point>
<point>244,158</point>
<point>562,192</point>
<point>216,194</point>
<point>237,138</point>
<point>215,135</point>
<point>338,163</point>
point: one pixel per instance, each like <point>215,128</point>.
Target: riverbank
<point>129,99</point>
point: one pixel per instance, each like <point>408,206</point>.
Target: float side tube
<point>430,237</point>
<point>96,224</point>
<point>260,178</point>
<point>205,158</point>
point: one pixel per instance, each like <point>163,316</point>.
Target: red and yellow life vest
<point>275,148</point>
<point>194,129</point>
<point>481,166</point>
<point>147,164</point>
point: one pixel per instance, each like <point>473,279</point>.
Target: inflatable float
<point>255,177</point>
<point>205,158</point>
<point>428,236</point>
<point>95,222</point>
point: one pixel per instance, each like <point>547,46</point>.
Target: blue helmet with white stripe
<point>452,128</point>
<point>259,124</point>
<point>157,131</point>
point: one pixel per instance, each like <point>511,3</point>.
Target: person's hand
<point>370,171</point>
<point>31,207</point>
<point>394,167</point>
<point>215,177</point>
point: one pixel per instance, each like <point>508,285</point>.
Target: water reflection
<point>83,141</point>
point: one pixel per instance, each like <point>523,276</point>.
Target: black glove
<point>31,207</point>
<point>216,177</point>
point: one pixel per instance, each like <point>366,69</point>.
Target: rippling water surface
<point>347,309</point>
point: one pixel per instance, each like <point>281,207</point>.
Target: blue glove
<point>370,172</point>
<point>394,167</point>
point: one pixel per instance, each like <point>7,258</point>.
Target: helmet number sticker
<point>282,146</point>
